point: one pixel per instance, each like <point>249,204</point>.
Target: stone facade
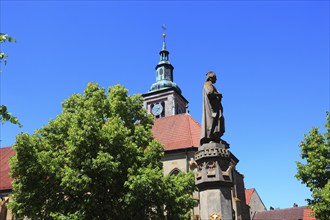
<point>240,207</point>
<point>254,201</point>
<point>178,161</point>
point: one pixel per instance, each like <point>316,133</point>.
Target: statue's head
<point>210,76</point>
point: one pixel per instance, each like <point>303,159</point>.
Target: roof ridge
<point>298,207</point>
<point>189,129</point>
<point>162,118</point>
<point>193,119</point>
<point>6,147</point>
<point>194,124</point>
<point>251,188</point>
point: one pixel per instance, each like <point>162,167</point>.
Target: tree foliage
<point>7,116</point>
<point>4,114</point>
<point>315,149</point>
<point>4,38</point>
<point>97,160</point>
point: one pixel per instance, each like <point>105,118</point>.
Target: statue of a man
<point>213,123</point>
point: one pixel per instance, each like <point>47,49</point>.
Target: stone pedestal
<point>214,181</point>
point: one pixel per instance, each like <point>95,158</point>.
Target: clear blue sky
<point>271,58</point>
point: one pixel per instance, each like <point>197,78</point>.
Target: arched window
<point>175,172</point>
<point>163,112</point>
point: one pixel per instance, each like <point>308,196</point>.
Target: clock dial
<point>157,109</point>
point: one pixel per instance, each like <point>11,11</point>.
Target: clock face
<point>157,109</point>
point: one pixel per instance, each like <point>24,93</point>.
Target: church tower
<point>164,97</point>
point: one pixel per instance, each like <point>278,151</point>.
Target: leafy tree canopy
<point>315,149</point>
<point>4,114</point>
<point>97,160</point>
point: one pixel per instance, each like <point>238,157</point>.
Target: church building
<point>179,133</point>
<point>176,130</point>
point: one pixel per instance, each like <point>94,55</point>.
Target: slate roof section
<point>248,195</point>
<point>295,213</point>
<point>177,132</point>
<point>5,180</point>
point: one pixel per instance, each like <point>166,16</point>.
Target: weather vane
<point>164,36</point>
<point>164,30</point>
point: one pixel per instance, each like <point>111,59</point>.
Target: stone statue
<point>213,123</point>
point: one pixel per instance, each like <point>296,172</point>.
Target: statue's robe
<point>213,125</point>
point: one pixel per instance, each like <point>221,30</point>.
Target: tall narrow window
<point>163,112</point>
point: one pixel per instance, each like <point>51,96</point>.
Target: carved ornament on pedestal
<point>215,216</point>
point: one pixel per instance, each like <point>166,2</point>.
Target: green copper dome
<point>164,84</point>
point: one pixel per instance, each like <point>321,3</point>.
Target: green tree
<point>315,149</point>
<point>97,160</point>
<point>4,114</point>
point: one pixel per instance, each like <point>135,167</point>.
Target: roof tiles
<point>295,213</point>
<point>308,214</point>
<point>177,132</point>
<point>5,180</point>
<point>248,195</point>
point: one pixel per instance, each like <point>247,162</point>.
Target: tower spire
<point>164,69</point>
<point>164,97</point>
<point>164,53</point>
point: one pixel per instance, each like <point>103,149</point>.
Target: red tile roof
<point>5,180</point>
<point>248,195</point>
<point>177,132</point>
<point>295,213</point>
<point>308,214</point>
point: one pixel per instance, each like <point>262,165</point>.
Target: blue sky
<point>271,59</point>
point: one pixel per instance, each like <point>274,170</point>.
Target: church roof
<point>5,180</point>
<point>177,132</point>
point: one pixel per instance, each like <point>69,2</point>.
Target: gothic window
<point>175,172</point>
